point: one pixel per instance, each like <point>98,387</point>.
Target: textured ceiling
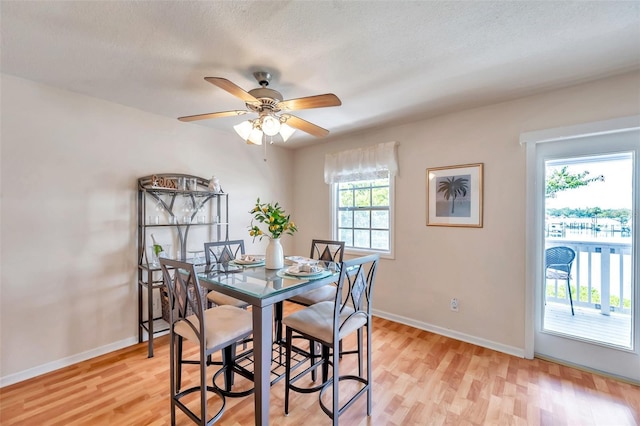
<point>388,61</point>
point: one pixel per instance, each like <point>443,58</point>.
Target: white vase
<point>274,256</point>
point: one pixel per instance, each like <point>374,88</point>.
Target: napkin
<point>248,258</point>
<point>306,268</point>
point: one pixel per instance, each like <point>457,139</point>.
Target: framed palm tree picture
<point>454,196</point>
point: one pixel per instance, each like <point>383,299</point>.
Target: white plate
<point>293,270</point>
<point>248,262</point>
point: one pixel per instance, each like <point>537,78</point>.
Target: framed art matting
<point>454,196</point>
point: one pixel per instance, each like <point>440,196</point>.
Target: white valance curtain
<point>372,162</point>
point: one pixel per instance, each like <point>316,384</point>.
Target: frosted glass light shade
<point>248,132</point>
<point>270,125</point>
<point>244,129</point>
<point>255,137</point>
<point>252,131</point>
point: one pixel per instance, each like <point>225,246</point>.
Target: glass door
<point>586,311</point>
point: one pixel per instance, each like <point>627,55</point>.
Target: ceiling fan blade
<point>305,126</point>
<point>318,101</point>
<point>232,88</point>
<point>212,115</point>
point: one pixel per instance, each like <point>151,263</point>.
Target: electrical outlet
<point>454,304</point>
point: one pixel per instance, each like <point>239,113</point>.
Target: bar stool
<point>223,252</point>
<point>328,323</point>
<point>325,250</point>
<point>213,329</point>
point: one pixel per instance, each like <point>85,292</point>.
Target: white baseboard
<point>510,350</point>
<point>65,362</point>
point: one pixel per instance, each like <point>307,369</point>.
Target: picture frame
<point>454,195</point>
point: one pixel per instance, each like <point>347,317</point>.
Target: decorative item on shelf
<point>214,185</point>
<point>158,250</point>
<point>182,183</point>
<point>163,182</point>
<point>278,222</point>
<point>192,184</point>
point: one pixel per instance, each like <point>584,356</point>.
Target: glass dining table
<point>263,289</point>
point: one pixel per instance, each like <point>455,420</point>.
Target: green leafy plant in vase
<point>270,220</point>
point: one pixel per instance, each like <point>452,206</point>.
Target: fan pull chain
<point>265,150</point>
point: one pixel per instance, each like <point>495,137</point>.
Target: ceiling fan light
<point>244,129</point>
<point>286,131</point>
<point>255,137</point>
<point>270,125</point>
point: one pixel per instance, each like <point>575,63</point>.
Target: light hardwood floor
<point>420,378</point>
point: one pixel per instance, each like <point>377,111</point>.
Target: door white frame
<point>534,203</point>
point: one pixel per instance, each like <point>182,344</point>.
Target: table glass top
<point>257,281</point>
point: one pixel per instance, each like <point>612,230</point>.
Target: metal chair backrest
<point>559,258</point>
<point>223,251</point>
<point>185,294</point>
<point>327,250</point>
<point>355,288</point>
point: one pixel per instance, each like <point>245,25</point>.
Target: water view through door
<point>586,296</point>
<point>588,220</point>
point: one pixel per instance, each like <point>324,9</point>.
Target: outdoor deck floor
<point>614,329</point>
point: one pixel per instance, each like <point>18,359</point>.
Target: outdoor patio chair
<point>557,266</point>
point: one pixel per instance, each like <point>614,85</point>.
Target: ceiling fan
<point>273,117</point>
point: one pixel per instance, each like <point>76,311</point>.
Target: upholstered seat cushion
<point>557,275</point>
<point>224,324</point>
<point>222,299</point>
<point>317,321</point>
<point>325,293</point>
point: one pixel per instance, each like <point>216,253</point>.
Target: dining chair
<point>325,250</point>
<point>329,251</point>
<point>557,266</point>
<point>222,252</point>
<point>329,322</point>
<point>213,329</point>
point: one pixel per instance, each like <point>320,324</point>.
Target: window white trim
<point>384,254</point>
<point>615,125</point>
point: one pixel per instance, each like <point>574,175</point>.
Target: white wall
<point>484,268</point>
<point>68,213</point>
<point>68,208</point>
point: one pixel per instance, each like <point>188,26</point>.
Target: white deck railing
<point>604,266</point>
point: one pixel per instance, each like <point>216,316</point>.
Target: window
<point>362,196</point>
<point>363,214</point>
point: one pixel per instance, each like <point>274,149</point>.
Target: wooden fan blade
<point>318,101</point>
<point>305,126</point>
<point>232,88</point>
<point>212,115</point>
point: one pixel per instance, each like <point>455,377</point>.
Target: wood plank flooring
<point>420,378</point>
